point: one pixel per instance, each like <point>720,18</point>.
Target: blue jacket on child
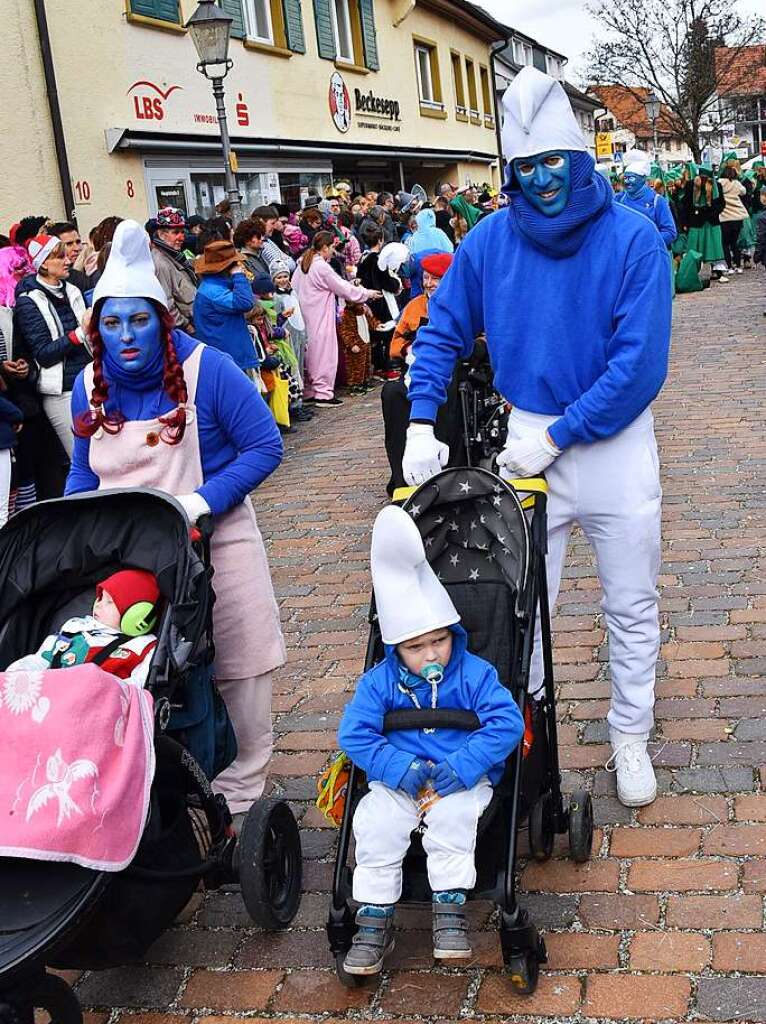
<point>470,684</point>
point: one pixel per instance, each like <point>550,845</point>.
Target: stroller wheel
<point>542,828</point>
<point>580,826</point>
<point>270,864</point>
<point>47,993</point>
<point>349,980</point>
<point>524,973</point>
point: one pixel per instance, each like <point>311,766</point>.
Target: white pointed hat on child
<point>129,270</point>
<point>538,117</point>
<point>409,598</point>
<point>636,161</point>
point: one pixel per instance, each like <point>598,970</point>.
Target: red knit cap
<point>437,264</point>
<point>128,587</point>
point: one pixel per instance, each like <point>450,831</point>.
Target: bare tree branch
<point>686,51</point>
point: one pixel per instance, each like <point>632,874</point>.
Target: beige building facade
<point>381,93</point>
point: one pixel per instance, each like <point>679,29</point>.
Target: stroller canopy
<point>473,527</point>
<point>56,550</point>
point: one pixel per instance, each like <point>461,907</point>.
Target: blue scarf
<point>563,235</point>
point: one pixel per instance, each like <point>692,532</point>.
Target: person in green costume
<point>703,204</point>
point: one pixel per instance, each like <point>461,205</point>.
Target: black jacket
<point>695,216</point>
<point>34,339</point>
<point>372,277</point>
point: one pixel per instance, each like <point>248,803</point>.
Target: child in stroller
<point>438,780</point>
<point>115,636</point>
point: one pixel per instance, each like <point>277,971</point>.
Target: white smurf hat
<point>636,161</point>
<point>409,598</point>
<point>129,270</point>
<point>538,117</point>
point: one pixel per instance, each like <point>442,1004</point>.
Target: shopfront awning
<point>154,142</point>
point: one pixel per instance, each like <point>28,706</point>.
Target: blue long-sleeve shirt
<point>653,206</point>
<point>584,337</point>
<point>469,684</point>
<point>219,316</point>
<point>239,441</point>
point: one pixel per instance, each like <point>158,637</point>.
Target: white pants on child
<point>612,489</point>
<point>383,822</point>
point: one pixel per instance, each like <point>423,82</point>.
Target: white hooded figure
<point>579,375</point>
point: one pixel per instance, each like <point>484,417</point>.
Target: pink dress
<point>317,292</point>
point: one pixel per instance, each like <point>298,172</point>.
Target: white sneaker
<point>636,783</point>
<point>740,270</point>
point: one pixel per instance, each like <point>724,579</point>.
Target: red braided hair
<point>173,384</point>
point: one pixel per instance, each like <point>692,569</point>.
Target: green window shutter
<point>369,35</point>
<point>163,10</point>
<point>234,9</point>
<point>325,36</point>
<point>294,26</point>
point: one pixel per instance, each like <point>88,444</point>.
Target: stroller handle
<point>431,718</point>
<point>527,485</point>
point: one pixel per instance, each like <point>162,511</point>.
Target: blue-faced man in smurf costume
<point>573,293</point>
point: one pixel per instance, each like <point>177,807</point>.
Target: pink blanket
<point>76,766</point>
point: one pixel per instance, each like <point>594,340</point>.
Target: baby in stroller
<point>117,635</point>
<point>437,780</point>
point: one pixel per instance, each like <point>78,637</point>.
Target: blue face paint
<point>131,332</point>
<point>545,180</point>
<point>633,183</point>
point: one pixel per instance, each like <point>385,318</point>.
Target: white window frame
<point>421,50</point>
<point>251,21</point>
<point>346,57</point>
<point>553,66</point>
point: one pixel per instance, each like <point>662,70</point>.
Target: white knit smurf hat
<point>538,117</point>
<point>636,161</point>
<point>409,598</point>
<point>129,270</point>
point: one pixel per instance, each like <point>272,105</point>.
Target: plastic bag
<point>280,400</point>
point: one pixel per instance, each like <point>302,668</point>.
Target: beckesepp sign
<point>380,113</point>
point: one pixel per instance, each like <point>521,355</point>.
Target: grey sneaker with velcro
<point>373,941</point>
<point>450,927</point>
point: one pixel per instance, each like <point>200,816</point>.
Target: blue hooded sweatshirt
<point>653,206</point>
<point>470,684</point>
<point>576,311</point>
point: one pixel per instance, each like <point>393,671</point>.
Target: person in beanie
<point>223,298</point>
<point>171,266</point>
<point>50,320</point>
<point>287,306</point>
<point>579,376</point>
<point>157,408</point>
<point>117,635</point>
<point>441,778</point>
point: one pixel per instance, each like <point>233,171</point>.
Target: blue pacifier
<point>432,673</point>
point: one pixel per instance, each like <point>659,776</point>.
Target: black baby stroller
<point>65,916</point>
<point>487,543</point>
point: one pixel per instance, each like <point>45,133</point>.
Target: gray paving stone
<point>732,999</point>
<point>153,988</point>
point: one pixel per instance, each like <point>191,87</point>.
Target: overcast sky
<point>564,25</point>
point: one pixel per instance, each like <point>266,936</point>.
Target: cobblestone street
<point>666,922</point>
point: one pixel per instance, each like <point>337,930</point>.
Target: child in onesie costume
<point>115,636</point>
<point>440,780</point>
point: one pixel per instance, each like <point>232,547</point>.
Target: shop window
<point>458,86</point>
<point>273,24</point>
<point>162,13</point>
<point>346,32</point>
<point>486,97</point>
<point>473,99</point>
<point>429,83</point>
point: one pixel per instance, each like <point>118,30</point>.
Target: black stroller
<point>487,542</point>
<point>65,916</point>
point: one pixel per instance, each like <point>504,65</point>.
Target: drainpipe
<point>55,110</point>
<point>493,50</point>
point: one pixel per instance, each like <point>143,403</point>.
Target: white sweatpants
<point>248,702</point>
<point>612,489</point>
<point>58,409</point>
<point>5,484</point>
<point>383,822</point>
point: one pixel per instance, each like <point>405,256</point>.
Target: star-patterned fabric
<point>473,528</point>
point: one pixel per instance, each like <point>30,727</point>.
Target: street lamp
<point>210,28</point>
<point>652,108</point>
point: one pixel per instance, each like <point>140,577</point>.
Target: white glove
<point>424,456</point>
<point>194,505</point>
<point>527,456</point>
